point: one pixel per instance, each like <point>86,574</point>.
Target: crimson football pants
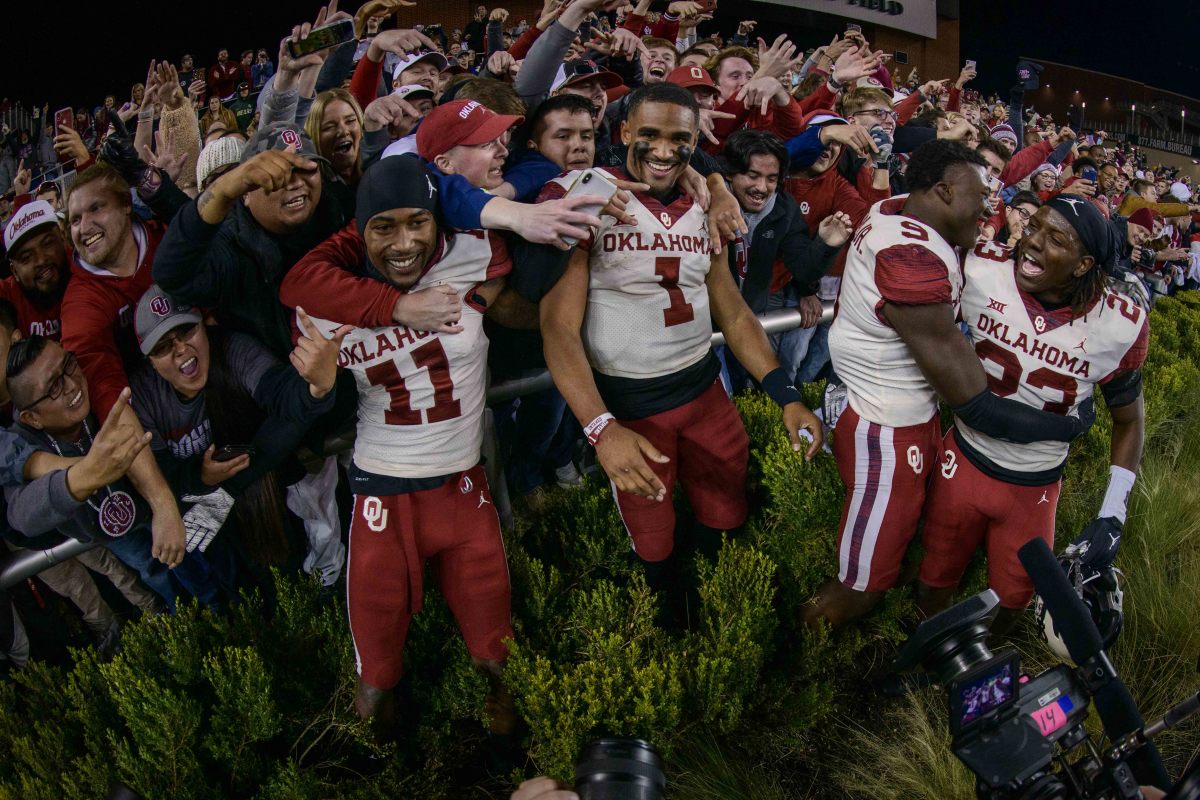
<point>968,508</point>
<point>709,453</point>
<point>885,471</point>
<point>453,527</point>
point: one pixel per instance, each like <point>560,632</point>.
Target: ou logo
<point>805,207</point>
<point>950,465</point>
<point>916,459</point>
<point>375,514</point>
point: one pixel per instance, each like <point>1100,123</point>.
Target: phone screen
<point>323,38</point>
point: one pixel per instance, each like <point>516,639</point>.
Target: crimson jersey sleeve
<point>553,190</point>
<point>325,285</point>
<point>501,262</point>
<point>911,275</point>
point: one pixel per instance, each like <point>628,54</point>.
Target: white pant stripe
<point>861,458</point>
<point>887,469</point>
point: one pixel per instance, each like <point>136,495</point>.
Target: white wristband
<point>596,427</point>
<point>1120,484</point>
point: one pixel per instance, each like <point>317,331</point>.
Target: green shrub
<point>259,702</point>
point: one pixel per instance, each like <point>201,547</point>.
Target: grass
<point>901,748</point>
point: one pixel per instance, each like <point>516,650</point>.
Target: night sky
<point>92,49</point>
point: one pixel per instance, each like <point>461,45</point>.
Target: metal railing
<point>27,563</point>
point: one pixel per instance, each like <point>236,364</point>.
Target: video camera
<point>1024,737</point>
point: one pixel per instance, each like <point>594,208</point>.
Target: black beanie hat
<point>395,182</point>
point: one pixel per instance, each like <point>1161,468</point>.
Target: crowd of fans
<point>207,282</point>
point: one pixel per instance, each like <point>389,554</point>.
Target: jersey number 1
<point>432,357</point>
<point>680,310</point>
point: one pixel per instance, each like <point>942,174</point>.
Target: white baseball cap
<point>26,219</point>
<point>413,58</point>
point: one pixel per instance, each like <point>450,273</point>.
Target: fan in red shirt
<point>39,257</point>
<point>110,271</point>
<point>223,76</point>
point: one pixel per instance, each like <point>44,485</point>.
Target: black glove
<point>1087,417</point>
<point>1099,542</point>
<point>119,153</point>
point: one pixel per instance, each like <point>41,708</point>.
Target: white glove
<point>206,517</point>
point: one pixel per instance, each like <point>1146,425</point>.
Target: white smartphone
<point>591,182</point>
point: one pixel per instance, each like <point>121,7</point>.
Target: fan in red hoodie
<point>110,270</point>
<point>39,258</point>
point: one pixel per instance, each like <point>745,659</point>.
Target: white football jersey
<point>899,259</point>
<point>421,394</point>
<point>1048,359</point>
<point>647,310</point>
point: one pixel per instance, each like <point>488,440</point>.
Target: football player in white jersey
<point>1049,332</point>
<point>420,493</point>
<point>896,345</point>
<point>627,333</point>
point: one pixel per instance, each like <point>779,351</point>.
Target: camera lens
<point>119,791</point>
<point>619,769</point>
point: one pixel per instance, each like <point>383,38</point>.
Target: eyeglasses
<point>70,368</point>
<point>1023,214</point>
<point>878,113</point>
<point>166,344</point>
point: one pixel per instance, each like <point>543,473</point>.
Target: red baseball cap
<point>460,122</point>
<point>691,76</point>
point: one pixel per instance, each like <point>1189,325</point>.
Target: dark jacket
<point>783,235</point>
<point>236,267</point>
<point>44,511</point>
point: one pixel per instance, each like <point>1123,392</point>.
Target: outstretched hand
<point>315,357</point>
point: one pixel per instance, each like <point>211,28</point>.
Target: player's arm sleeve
<point>322,284</point>
<point>1124,385</point>
<point>87,332</point>
<point>911,275</point>
<point>1013,421</point>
